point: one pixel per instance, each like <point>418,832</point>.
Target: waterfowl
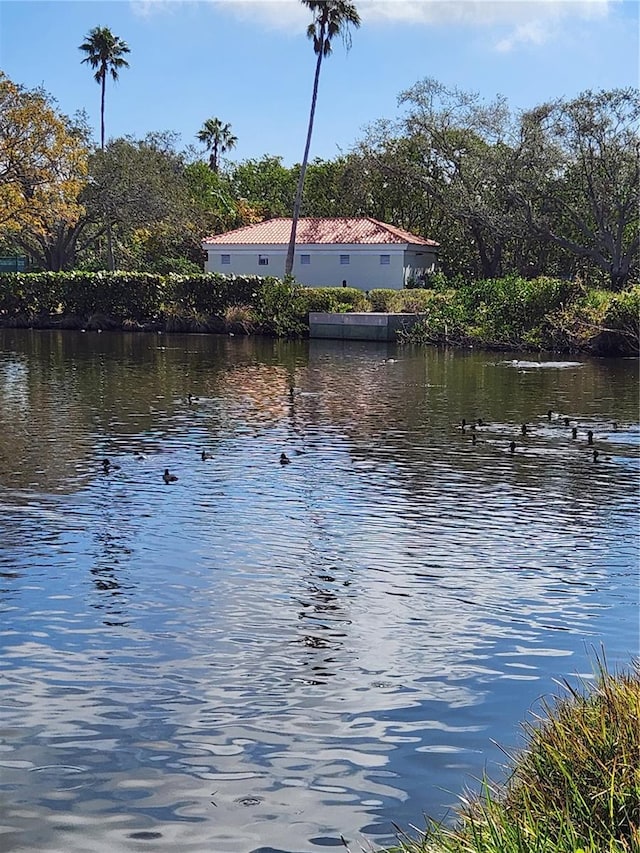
<point>614,425</point>
<point>523,429</point>
<point>169,478</point>
<point>596,453</point>
<point>204,455</point>
<point>108,466</point>
<point>590,437</point>
<point>512,447</point>
<point>567,421</point>
<point>284,459</point>
<point>574,432</point>
<point>474,438</point>
<point>549,414</point>
<point>191,399</point>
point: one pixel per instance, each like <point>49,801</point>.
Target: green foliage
<point>209,294</point>
<point>267,185</point>
<point>600,322</point>
<point>240,318</point>
<point>178,265</point>
<point>444,315</point>
<point>445,320</point>
<point>516,313</point>
<point>510,311</point>
<point>218,139</point>
<point>119,295</point>
<point>623,313</point>
<point>381,298</point>
<point>280,308</point>
<point>334,299</point>
<point>575,787</point>
<point>27,295</point>
<point>215,207</point>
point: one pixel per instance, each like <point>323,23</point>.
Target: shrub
<point>28,294</point>
<point>281,308</point>
<point>601,322</point>
<point>240,319</point>
<point>444,321</point>
<point>210,294</point>
<point>381,299</point>
<point>334,299</point>
<point>622,322</point>
<point>120,295</point>
<point>511,311</point>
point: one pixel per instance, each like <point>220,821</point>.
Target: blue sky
<point>249,63</point>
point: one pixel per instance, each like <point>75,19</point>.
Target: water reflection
<point>269,657</point>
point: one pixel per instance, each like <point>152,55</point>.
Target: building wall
<point>419,264</point>
<point>364,269</point>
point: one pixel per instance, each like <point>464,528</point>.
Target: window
<point>305,260</point>
<point>344,259</point>
<point>225,259</point>
<point>385,260</point>
<point>263,260</point>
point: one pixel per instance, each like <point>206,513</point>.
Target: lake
<point>266,657</point>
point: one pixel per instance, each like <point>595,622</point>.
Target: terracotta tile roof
<point>312,230</point>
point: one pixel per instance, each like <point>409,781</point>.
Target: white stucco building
<point>362,252</point>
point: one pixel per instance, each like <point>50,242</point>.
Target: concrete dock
<point>360,327</point>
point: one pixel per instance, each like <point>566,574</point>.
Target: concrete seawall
<point>360,327</point>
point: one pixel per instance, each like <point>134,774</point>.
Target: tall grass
<point>574,788</point>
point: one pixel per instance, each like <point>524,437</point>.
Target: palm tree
<point>331,18</point>
<point>218,138</point>
<point>105,54</point>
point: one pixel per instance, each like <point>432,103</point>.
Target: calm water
<point>264,658</point>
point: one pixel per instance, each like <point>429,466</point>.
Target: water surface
<point>266,658</point>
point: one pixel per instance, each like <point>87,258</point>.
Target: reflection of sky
<point>318,648</point>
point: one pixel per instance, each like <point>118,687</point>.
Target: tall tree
<point>43,169</point>
<point>330,18</point>
<point>584,194</point>
<point>218,139</point>
<point>268,186</point>
<point>105,53</point>
<point>470,159</point>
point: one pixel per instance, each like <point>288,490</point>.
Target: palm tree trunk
<point>111,264</point>
<point>303,167</point>
<point>110,260</point>
<point>104,80</point>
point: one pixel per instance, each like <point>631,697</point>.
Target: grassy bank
<point>511,313</point>
<point>522,314</point>
<point>574,788</point>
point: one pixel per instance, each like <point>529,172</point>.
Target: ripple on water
<point>260,653</point>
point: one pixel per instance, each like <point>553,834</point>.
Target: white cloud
<point>534,32</point>
<point>285,12</point>
<point>532,21</point>
<point>480,12</point>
